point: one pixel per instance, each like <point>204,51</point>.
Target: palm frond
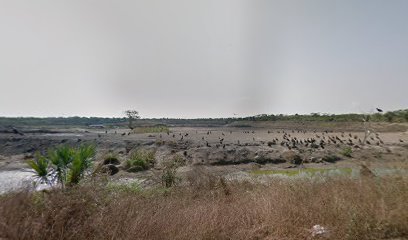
<point>40,165</point>
<point>82,161</point>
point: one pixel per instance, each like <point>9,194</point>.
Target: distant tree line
<point>392,116</point>
<point>81,121</point>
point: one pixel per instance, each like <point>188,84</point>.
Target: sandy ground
<point>224,150</point>
<point>15,179</point>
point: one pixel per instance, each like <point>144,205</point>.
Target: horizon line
<point>226,117</point>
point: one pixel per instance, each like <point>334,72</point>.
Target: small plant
<point>169,176</point>
<point>270,144</point>
<point>63,165</point>
<point>140,160</point>
<point>81,162</point>
<point>347,152</point>
<point>40,165</point>
<point>175,162</point>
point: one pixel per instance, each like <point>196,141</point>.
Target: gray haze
<point>208,58</point>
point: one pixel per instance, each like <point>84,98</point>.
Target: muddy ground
<point>231,149</point>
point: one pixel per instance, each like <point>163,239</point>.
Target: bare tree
<point>131,115</point>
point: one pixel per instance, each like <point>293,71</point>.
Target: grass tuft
<point>140,160</point>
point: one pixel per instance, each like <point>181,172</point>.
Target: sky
<point>208,58</point>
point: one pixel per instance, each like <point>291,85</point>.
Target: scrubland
<point>209,207</point>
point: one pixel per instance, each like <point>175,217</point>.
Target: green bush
<point>347,152</point>
<point>140,160</point>
<point>64,165</point>
<point>81,162</point>
<point>390,116</point>
<point>40,165</point>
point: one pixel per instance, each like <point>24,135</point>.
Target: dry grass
<point>350,209</point>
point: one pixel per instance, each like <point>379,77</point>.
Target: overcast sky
<point>207,58</point>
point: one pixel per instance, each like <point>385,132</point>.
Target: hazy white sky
<point>208,58</point>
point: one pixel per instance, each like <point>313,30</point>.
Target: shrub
<point>41,167</point>
<point>389,116</point>
<point>140,160</point>
<point>81,162</point>
<point>347,152</point>
<point>64,165</point>
<point>169,176</point>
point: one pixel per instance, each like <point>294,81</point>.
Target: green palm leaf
<point>40,165</point>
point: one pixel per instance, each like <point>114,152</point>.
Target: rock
<point>16,131</point>
<point>28,156</point>
<point>149,143</point>
<point>331,158</point>
<point>110,169</point>
<point>314,160</point>
<point>318,230</point>
<point>30,150</point>
<point>135,169</point>
<point>111,160</point>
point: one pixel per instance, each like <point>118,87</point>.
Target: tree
<point>131,115</point>
<point>389,116</point>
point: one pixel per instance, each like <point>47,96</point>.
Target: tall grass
<point>349,209</point>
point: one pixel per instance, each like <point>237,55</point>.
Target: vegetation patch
<point>391,116</point>
<point>132,187</point>
<point>140,160</point>
<point>308,171</point>
<point>347,152</point>
<point>347,208</point>
<point>152,129</point>
<point>273,172</point>
<point>63,165</point>
<point>260,160</point>
<point>169,174</point>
